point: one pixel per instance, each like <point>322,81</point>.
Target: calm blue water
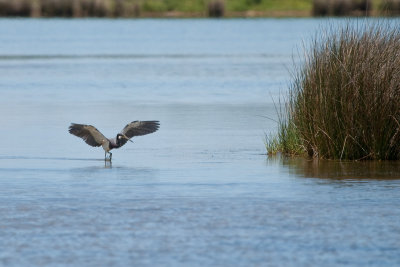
<point>200,191</point>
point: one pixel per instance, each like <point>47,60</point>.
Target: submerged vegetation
<point>344,102</point>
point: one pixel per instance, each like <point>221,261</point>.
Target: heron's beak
<point>127,138</point>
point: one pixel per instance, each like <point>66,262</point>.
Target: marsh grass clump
<point>341,7</point>
<point>344,102</point>
<point>60,8</point>
<point>216,8</point>
<point>390,7</point>
<point>15,8</point>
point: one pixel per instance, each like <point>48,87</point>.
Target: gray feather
<point>137,128</point>
<point>88,133</point>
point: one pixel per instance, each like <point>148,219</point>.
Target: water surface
<point>198,192</point>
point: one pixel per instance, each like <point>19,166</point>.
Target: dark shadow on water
<point>108,171</point>
<point>24,57</point>
<point>47,164</point>
<point>45,158</point>
<point>330,169</point>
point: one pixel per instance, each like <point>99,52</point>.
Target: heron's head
<point>122,138</point>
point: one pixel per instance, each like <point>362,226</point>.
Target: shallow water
<point>201,190</point>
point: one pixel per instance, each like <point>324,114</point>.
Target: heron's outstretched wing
<point>137,128</point>
<point>88,133</point>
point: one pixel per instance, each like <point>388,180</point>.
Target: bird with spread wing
<point>94,137</point>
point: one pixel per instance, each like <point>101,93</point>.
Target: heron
<point>94,137</point>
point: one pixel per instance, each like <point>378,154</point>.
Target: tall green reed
<point>344,102</point>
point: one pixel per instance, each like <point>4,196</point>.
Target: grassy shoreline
<point>344,101</point>
<point>172,8</point>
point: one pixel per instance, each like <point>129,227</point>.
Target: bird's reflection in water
<point>107,164</point>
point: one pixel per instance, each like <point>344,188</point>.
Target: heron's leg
<point>110,155</point>
<point>105,155</point>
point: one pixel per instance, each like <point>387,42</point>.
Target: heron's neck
<point>113,143</point>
